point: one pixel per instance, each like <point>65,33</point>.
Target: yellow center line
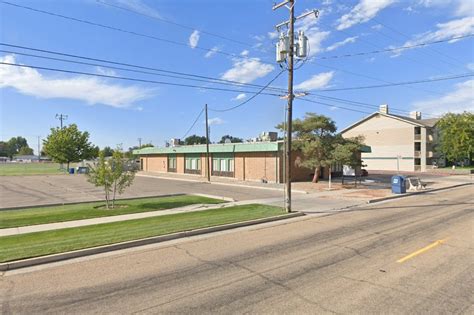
<point>420,251</point>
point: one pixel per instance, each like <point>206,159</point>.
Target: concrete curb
<point>96,200</point>
<point>222,184</point>
<point>215,197</point>
<point>416,193</point>
<point>146,241</point>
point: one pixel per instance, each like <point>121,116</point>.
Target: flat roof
<point>213,148</point>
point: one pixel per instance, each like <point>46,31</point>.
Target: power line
<point>364,53</point>
<point>131,79</point>
<point>211,79</point>
<point>400,83</point>
<point>193,124</point>
<point>169,41</point>
<point>333,106</point>
<point>173,23</point>
<point>250,98</point>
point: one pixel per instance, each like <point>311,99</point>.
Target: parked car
<point>363,172</point>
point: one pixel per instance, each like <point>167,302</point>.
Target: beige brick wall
<point>157,163</point>
<point>254,166</point>
<point>387,137</point>
<point>180,163</point>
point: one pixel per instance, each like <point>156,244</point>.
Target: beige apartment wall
<point>387,137</point>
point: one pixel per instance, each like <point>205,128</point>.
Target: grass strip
<point>43,215</point>
<point>24,169</point>
<point>51,242</point>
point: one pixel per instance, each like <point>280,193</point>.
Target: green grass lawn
<point>42,215</point>
<point>52,242</point>
<point>18,169</point>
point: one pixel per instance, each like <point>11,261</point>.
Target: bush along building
<point>397,142</point>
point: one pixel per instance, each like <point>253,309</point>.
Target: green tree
<point>13,146</point>
<point>315,137</point>
<point>195,139</point>
<point>347,152</point>
<point>4,148</point>
<point>231,138</point>
<point>108,151</point>
<point>25,151</point>
<point>100,174</point>
<point>456,136</point>
<point>68,145</point>
<point>114,175</point>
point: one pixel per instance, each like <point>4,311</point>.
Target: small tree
<point>108,151</point>
<point>68,145</point>
<point>347,152</point>
<point>115,175</point>
<point>100,174</point>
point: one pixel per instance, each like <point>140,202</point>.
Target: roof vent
<point>415,115</point>
<point>383,109</point>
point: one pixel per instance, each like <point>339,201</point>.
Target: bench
<point>415,183</point>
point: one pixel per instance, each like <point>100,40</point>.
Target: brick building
<point>254,161</point>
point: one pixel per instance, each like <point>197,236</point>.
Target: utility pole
<point>208,164</point>
<point>39,152</point>
<point>61,118</point>
<point>286,50</point>
<point>139,143</point>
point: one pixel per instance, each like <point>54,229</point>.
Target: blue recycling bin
<point>398,184</point>
<point>71,170</point>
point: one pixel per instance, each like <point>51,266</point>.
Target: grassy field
<point>51,242</point>
<point>42,215</point>
<point>18,169</point>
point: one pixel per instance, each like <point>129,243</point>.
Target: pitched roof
<point>418,122</point>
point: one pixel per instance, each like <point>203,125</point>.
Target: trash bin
<point>71,170</point>
<point>398,184</point>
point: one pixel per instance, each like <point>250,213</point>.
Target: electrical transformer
<point>302,45</point>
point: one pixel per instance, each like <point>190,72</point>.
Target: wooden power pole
<point>208,164</point>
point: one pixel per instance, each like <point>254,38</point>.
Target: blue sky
<point>119,112</point>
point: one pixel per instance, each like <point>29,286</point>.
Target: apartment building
<point>397,142</point>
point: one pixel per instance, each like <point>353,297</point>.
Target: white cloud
<point>342,43</point>
<point>259,38</point>
<point>273,34</point>
<point>194,39</point>
<point>247,70</point>
<point>470,66</point>
<point>244,53</point>
<point>453,28</point>
<point>215,121</point>
<point>465,8</point>
<point>459,100</point>
<point>87,89</point>
<point>362,12</point>
<point>105,71</point>
<point>317,81</point>
<point>377,27</point>
<point>139,6</point>
<point>239,97</point>
<point>212,51</point>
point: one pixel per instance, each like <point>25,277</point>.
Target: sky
<point>228,40</point>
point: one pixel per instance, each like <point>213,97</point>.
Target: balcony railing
<point>417,167</point>
<point>417,137</point>
<point>417,154</point>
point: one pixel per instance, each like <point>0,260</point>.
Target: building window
<point>223,164</point>
<point>172,163</point>
<point>192,163</point>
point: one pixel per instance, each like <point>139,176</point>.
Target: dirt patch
<point>369,193</point>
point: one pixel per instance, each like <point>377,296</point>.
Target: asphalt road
<point>340,263</point>
<point>18,191</point>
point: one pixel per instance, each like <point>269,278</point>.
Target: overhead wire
<point>193,124</point>
<point>173,23</point>
<point>250,98</point>
<point>83,21</point>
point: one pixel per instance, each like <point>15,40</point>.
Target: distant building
<point>26,158</point>
<point>408,141</point>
